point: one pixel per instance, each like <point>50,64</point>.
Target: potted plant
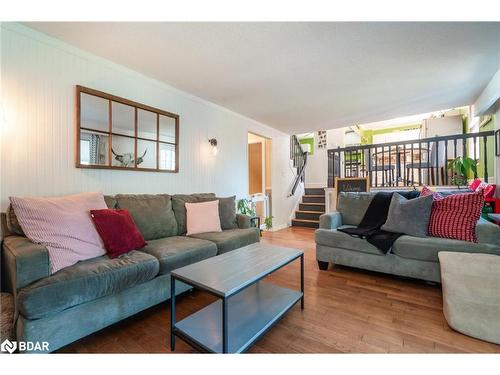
<point>268,222</point>
<point>246,207</point>
<point>461,167</point>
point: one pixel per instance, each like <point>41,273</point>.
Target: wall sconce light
<point>213,143</point>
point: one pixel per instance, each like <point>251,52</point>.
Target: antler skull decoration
<point>127,160</point>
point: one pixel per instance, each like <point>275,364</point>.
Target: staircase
<point>310,209</point>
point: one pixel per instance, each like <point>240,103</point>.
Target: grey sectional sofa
<point>90,295</point>
<point>409,256</point>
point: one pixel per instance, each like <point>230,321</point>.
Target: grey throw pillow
<point>227,211</point>
<point>409,216</point>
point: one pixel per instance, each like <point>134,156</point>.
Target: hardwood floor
<point>346,311</point>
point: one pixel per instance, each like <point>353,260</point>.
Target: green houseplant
<point>246,207</point>
<point>268,222</point>
<point>461,167</point>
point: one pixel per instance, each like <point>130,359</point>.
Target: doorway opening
<point>260,175</point>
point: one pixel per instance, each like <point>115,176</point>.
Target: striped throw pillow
<point>63,225</point>
<point>456,216</point>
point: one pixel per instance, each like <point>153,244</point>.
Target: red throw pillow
<point>118,231</point>
<point>487,189</point>
<point>456,216</point>
<point>475,184</point>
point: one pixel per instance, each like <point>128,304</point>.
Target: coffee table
<point>247,307</point>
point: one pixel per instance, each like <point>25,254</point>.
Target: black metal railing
<point>299,158</point>
<point>413,162</point>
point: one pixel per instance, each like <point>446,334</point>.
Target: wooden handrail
<point>422,140</point>
<point>391,167</point>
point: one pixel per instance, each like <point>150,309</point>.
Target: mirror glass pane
<point>123,151</point>
<point>94,112</point>
<point>146,124</point>
<point>135,138</point>
<point>167,157</point>
<point>123,119</point>
<point>94,148</point>
<point>147,154</point>
<point>167,129</point>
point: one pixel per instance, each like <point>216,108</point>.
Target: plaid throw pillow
<point>456,216</point>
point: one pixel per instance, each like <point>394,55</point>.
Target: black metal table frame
<point>199,346</point>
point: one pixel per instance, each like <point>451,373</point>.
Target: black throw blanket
<point>376,216</point>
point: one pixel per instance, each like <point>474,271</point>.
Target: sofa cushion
<point>6,317</point>
<point>227,212</point>
<point>110,201</point>
<point>179,208</point>
<point>231,239</point>
<point>335,238</point>
<point>12,223</point>
<point>179,251</point>
<point>487,232</point>
<point>84,282</point>
<point>353,206</point>
<point>427,249</point>
<point>152,214</point>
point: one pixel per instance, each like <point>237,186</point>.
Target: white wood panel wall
<point>38,78</point>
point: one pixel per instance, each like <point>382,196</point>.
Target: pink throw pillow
<point>63,225</point>
<point>435,195</point>
<point>202,217</point>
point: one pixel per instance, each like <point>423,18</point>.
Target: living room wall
<point>488,103</point>
<point>38,78</point>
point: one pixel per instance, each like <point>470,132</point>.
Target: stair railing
<point>413,162</point>
<point>299,158</point>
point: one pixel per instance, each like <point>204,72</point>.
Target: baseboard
<point>314,185</point>
<point>279,227</point>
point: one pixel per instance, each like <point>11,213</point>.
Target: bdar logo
<point>8,346</point>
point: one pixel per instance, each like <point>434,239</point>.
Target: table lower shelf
<point>251,312</point>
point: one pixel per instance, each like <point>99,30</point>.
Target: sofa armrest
<point>23,262</point>
<point>331,220</point>
<point>243,221</point>
<point>487,232</point>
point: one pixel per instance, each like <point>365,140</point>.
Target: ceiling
<point>300,77</point>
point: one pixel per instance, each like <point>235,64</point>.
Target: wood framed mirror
<point>117,133</point>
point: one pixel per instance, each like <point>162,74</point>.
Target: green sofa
<point>90,295</point>
<point>409,256</point>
